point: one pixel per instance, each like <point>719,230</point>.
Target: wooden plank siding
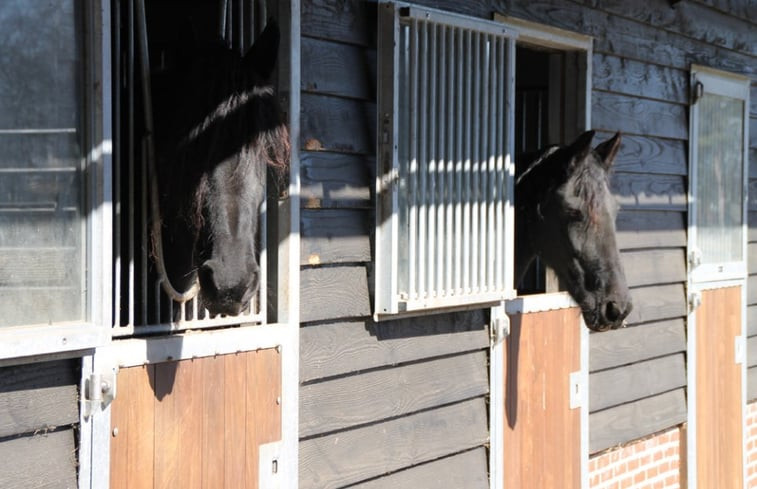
<point>39,412</point>
<point>395,404</point>
<point>640,78</point>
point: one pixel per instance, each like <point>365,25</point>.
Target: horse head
<point>566,215</point>
<point>213,181</point>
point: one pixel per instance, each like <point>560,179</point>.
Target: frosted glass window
<point>42,191</point>
<point>719,187</point>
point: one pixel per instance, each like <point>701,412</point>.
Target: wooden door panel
<point>718,390</point>
<point>542,442</point>
<point>195,423</point>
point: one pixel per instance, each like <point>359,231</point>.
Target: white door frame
<point>546,36</point>
<point>708,277</point>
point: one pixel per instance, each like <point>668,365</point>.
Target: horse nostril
<point>613,312</point>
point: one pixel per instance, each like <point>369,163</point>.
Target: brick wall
<point>751,445</point>
<point>652,463</point>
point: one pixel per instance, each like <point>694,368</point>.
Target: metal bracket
<point>695,257</point>
<point>269,461</point>
<point>98,392</point>
<point>500,325</point>
<point>695,300</point>
<point>576,383</point>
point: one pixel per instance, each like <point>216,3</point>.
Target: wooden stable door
<point>542,441</point>
<point>719,401</point>
<point>195,423</point>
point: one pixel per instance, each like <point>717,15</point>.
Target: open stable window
<point>52,168</point>
<point>718,172</point>
<point>444,179</point>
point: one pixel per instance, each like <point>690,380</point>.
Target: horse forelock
<point>591,186</point>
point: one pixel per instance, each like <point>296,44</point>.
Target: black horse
<point>223,130</point>
<point>565,214</point>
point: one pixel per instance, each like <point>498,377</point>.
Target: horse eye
<point>574,214</point>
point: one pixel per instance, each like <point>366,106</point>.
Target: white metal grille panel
<point>444,165</point>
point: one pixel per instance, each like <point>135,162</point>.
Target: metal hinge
<point>695,300</point>
<point>98,392</point>
<point>500,325</point>
<point>576,382</point>
<point>695,257</point>
<point>270,465</point>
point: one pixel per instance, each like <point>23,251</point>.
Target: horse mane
<point>245,122</point>
<point>587,185</point>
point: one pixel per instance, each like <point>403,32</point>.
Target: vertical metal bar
<point>476,166</point>
<point>222,6</point>
<point>459,164</point>
<point>240,27</point>
<point>500,166</point>
<point>432,116</point>
<point>422,159</point>
<point>116,33</point>
<point>413,176</point>
<point>262,305</point>
<point>450,164</point>
<point>509,116</point>
<point>263,17</point>
<point>492,257</point>
<point>229,38</point>
<point>443,155</point>
<point>131,143</point>
<point>485,264</point>
<point>157,290</point>
<point>144,231</point>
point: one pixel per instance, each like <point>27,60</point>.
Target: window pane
<point>719,179</point>
<point>42,224</point>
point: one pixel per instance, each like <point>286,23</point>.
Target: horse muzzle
<point>609,315</point>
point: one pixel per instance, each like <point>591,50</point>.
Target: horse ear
<point>261,57</point>
<point>580,148</point>
<point>608,150</point>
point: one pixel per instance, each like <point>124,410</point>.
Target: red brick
<point>671,480</point>
<point>639,478</point>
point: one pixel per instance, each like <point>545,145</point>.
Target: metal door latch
<point>500,325</point>
<point>269,458</point>
<point>98,392</point>
<point>576,383</point>
<point>695,300</point>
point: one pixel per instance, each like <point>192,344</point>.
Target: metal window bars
<point>444,169</point>
<point>141,306</point>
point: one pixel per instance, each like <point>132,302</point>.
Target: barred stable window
<point>444,169</point>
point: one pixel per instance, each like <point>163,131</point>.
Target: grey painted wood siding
<point>641,61</point>
<point>39,410</point>
<point>396,404</point>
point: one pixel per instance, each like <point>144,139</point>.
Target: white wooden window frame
<point>390,301</point>
<point>735,86</point>
<point>539,35</point>
<point>21,343</point>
